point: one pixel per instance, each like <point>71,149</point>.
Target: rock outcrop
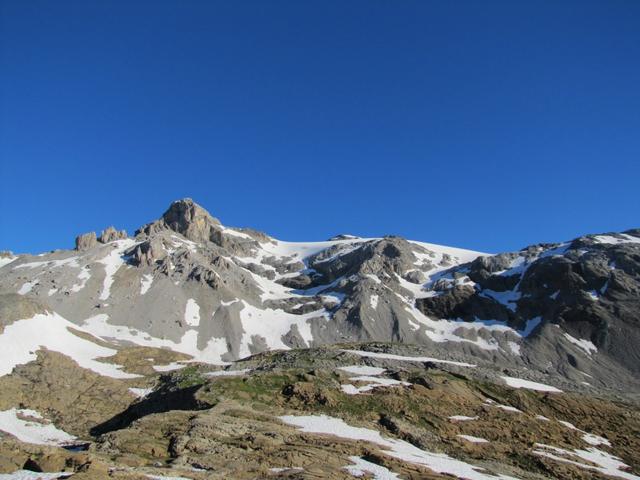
<point>110,234</point>
<point>86,241</point>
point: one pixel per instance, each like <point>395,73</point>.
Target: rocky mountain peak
<point>184,213</point>
<point>187,218</point>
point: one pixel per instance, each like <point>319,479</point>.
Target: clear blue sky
<point>487,125</point>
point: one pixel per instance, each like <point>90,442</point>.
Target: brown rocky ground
<point>227,427</point>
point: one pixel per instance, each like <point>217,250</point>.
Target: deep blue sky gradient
<point>486,125</point>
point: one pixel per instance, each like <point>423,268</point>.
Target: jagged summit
<point>186,218</point>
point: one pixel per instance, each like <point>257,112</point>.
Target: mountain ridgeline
<point>215,294</point>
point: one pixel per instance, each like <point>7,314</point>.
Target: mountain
<point>186,300</point>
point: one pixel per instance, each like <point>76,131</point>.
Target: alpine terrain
<point>193,350</point>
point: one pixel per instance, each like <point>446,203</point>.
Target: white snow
<point>140,392</point>
<point>6,260</point>
<point>543,418</point>
<point>362,370</point>
<point>29,475</point>
<point>83,276</point>
<point>228,373</point>
<point>374,301</point>
<point>438,462</point>
<point>589,438</point>
<point>30,427</point>
<point>302,250</point>
<point>235,233</point>
<point>595,440</point>
<point>506,408</point>
<point>514,347</point>
<point>112,263</point>
<point>169,367</point>
<point>145,283</point>
<point>587,346</point>
<point>529,385</point>
<point>286,469</point>
<point>21,339</point>
<point>272,325</point>
<point>604,462</point>
<point>374,382</point>
<point>389,356</point>
<point>619,238</point>
<point>472,439</point>
<point>462,418</point>
<point>594,295</point>
<point>159,477</point>
<point>180,240</point>
<point>27,287</point>
<point>373,277</point>
<point>216,347</point>
<point>49,263</point>
<point>442,330</point>
<point>192,313</point>
<point>569,425</point>
<point>361,467</point>
<point>462,255</point>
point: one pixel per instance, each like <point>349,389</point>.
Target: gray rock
<point>186,218</point>
<point>86,241</point>
<point>110,234</point>
<point>15,307</point>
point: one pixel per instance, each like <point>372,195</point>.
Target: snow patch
<point>438,462</point>
<point>188,344</point>
<point>604,462</point>
<point>6,260</point>
<point>374,301</point>
<point>192,313</point>
<point>389,356</point>
<point>618,239</point>
<point>590,438</point>
<point>585,345</point>
<point>112,263</point>
<point>21,339</point>
<point>374,382</point>
<point>272,325</point>
<point>19,424</point>
<point>472,439</point>
<point>83,276</point>
<point>228,373</point>
<point>27,287</point>
<point>49,263</point>
<point>29,475</point>
<point>141,392</point>
<point>169,367</point>
<point>362,370</point>
<point>529,385</point>
<point>145,283</point>
<point>360,467</point>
